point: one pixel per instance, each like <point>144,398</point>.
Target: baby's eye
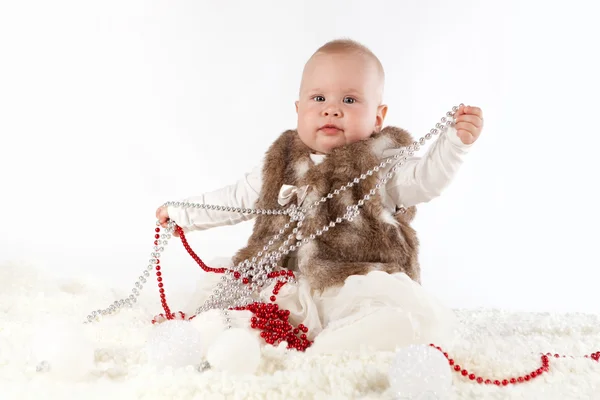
<point>349,100</point>
<point>319,98</point>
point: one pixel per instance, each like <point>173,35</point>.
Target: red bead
<point>457,367</point>
<point>479,380</point>
<point>488,382</point>
<point>513,380</point>
<point>157,230</point>
<point>471,376</point>
<point>157,236</point>
<point>245,281</point>
<point>497,382</point>
<point>272,298</point>
<point>504,382</point>
<point>464,372</point>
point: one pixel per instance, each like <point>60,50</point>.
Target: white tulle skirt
<point>377,311</point>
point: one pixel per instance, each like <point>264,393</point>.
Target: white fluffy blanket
<point>493,343</point>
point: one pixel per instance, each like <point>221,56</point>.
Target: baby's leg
<point>382,312</point>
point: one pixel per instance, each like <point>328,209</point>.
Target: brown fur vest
<point>375,240</point>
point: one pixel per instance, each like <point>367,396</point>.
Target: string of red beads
<point>545,358</point>
<point>272,321</point>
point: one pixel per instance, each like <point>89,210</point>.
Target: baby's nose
<point>332,112</point>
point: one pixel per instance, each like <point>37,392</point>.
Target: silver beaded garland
<point>231,292</point>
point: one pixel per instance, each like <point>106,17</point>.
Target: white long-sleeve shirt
<point>418,180</point>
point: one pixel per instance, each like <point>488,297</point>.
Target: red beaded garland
<point>545,358</point>
<point>275,327</point>
<point>272,321</point>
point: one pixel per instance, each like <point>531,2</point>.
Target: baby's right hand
<point>162,214</point>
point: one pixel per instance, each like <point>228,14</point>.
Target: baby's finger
<point>466,126</point>
<point>459,112</point>
<point>474,111</point>
<point>472,119</point>
<point>469,128</point>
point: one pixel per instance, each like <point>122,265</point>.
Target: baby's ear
<point>381,113</point>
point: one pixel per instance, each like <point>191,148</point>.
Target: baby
<point>359,278</point>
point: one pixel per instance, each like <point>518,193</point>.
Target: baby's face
<point>339,101</point>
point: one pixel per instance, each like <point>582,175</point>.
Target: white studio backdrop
<point>108,109</point>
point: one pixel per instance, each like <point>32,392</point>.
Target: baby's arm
<point>242,194</point>
<point>421,179</point>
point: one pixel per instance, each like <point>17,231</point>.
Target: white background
<point>108,109</point>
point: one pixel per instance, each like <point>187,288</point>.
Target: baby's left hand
<point>469,123</point>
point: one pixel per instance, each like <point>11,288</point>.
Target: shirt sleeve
<point>243,194</point>
<point>421,179</point>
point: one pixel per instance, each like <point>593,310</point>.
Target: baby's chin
<point>327,144</point>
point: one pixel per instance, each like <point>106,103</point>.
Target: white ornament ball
<point>420,372</point>
<point>62,349</point>
<point>236,351</point>
<point>174,343</point>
